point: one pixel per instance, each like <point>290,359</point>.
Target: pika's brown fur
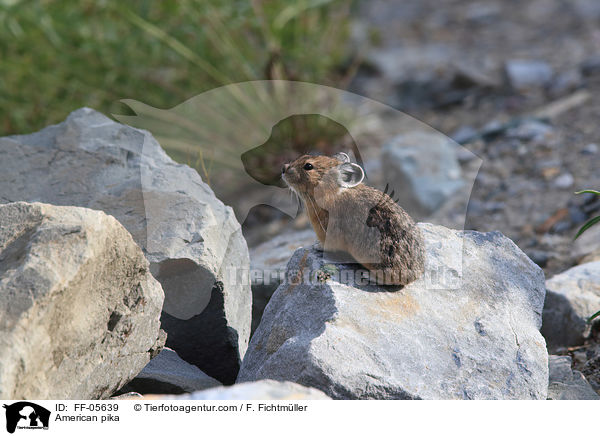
<point>357,219</point>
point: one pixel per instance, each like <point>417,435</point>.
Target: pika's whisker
<point>317,214</point>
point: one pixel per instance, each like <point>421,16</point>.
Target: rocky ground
<point>458,66</point>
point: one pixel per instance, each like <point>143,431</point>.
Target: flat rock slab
<point>469,329</point>
<point>79,309</point>
<point>192,240</point>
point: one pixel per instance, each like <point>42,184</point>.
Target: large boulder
<point>192,240</point>
<point>469,328</point>
<point>423,170</point>
<point>167,373</point>
<point>566,384</point>
<point>79,309</point>
<point>260,390</point>
<point>571,298</point>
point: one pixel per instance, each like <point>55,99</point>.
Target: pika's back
<point>380,234</point>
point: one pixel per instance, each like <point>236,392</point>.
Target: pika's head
<point>308,173</point>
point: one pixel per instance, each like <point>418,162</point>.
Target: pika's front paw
<point>317,246</point>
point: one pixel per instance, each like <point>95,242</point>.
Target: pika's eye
<point>308,166</point>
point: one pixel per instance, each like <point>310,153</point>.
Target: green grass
<point>56,56</point>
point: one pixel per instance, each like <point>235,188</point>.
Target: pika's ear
<point>351,175</point>
<point>343,157</point>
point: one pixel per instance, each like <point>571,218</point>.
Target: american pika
<point>362,221</point>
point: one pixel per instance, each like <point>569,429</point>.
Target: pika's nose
<point>285,168</point>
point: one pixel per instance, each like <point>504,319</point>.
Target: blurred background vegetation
<point>56,56</point>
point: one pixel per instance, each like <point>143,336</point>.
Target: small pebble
<point>525,73</point>
<point>561,226</point>
<point>492,129</point>
<point>482,13</point>
<point>464,134</point>
<point>530,130</point>
<point>591,66</point>
<point>580,357</point>
<point>550,172</point>
<point>590,149</point>
<point>577,215</point>
<point>565,82</point>
<point>564,181</point>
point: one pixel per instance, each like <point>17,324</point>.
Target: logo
<point>26,415</point>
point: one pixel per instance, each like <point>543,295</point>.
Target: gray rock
<point>483,12</point>
<point>405,64</point>
<point>564,181</point>
<point>167,373</point>
<point>530,130</point>
<point>423,170</point>
<point>465,134</point>
<point>493,128</point>
<point>566,82</point>
<point>561,227</point>
<point>128,396</point>
<point>430,75</point>
<point>192,240</point>
<point>268,263</point>
<point>539,257</point>
<point>587,247</point>
<point>591,65</point>
<point>259,390</point>
<point>590,149</point>
<point>589,10</point>
<point>566,384</point>
<point>471,75</point>
<point>577,216</point>
<point>467,329</point>
<point>591,367</point>
<point>571,298</point>
<point>522,74</point>
<point>79,309</point>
